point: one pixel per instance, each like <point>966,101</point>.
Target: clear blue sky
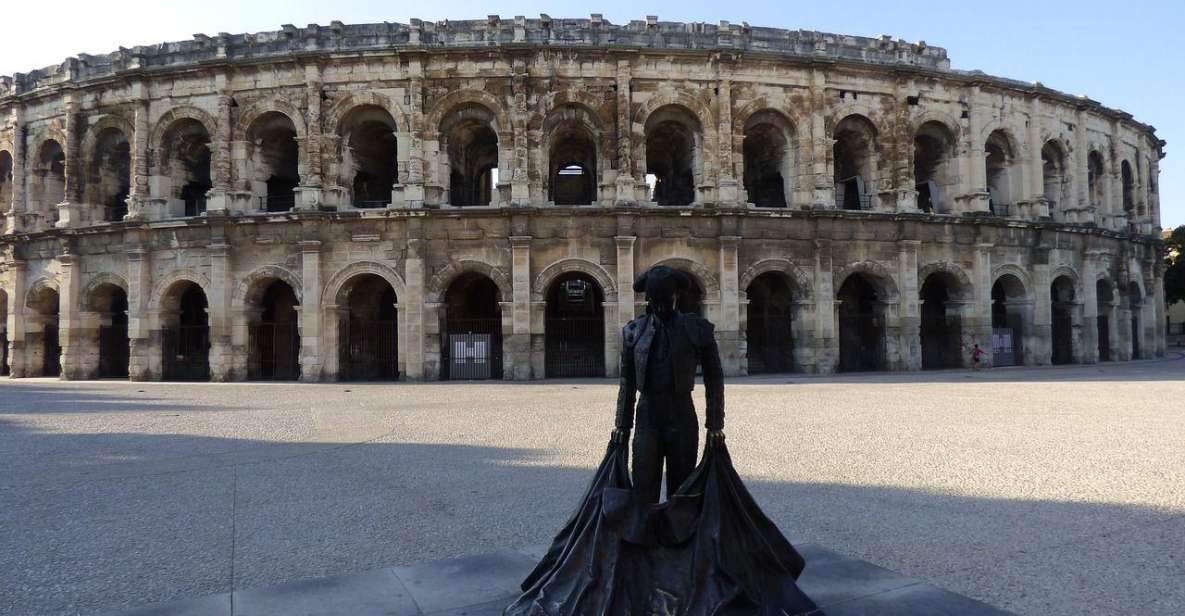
<point>1125,54</point>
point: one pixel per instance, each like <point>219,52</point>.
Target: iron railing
<point>369,350</point>
<point>185,353</point>
<point>274,350</point>
<point>113,351</point>
<point>574,347</point>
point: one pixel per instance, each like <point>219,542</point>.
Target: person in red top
<point>976,357</point>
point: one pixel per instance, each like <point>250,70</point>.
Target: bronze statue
<point>709,549</point>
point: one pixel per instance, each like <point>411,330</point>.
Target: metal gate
<point>186,353</point>
<point>51,360</point>
<point>113,351</point>
<point>770,343</point>
<point>1004,347</point>
<point>574,347</point>
<point>3,353</point>
<point>464,357</point>
<point>861,342</point>
<point>1104,329</point>
<point>1063,331</point>
<point>369,350</point>
<point>275,351</point>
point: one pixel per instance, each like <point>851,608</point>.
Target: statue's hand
<point>715,437</point>
<point>621,436</point>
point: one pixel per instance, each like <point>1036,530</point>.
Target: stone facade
<point>353,201</point>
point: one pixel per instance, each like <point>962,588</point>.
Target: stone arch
<point>255,110</point>
<point>450,102</point>
<point>1009,135</point>
<point>596,107</point>
<point>862,112</point>
<point>564,115</point>
<point>440,281</point>
<point>698,108</point>
<point>1072,274</point>
<point>963,288</point>
<point>110,120</point>
<point>332,294</point>
<point>706,277</point>
<point>177,114</point>
<point>802,282</point>
<point>1017,272</point>
<point>878,275</point>
<point>251,287</point>
<point>163,286</point>
<point>941,117</point>
<point>97,281</point>
<point>572,264</point>
<point>41,284</point>
<point>342,108</point>
<point>763,105</point>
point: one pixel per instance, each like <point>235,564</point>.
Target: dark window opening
<point>49,183</point>
<point>185,160</point>
<point>372,156</point>
<point>852,158</point>
<point>766,165</point>
<point>108,179</point>
<point>276,158</point>
<point>999,163</point>
<point>472,147</point>
<point>1094,178</point>
<point>1129,186</point>
<point>573,163</point>
<point>932,167</point>
<point>671,155</point>
<point>1055,179</point>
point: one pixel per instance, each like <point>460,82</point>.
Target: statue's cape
<point>708,551</point>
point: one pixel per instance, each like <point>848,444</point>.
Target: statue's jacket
<point>693,343</point>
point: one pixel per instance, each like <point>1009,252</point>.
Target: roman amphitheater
<point>473,199</point>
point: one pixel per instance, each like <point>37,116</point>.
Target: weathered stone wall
<point>539,86</point>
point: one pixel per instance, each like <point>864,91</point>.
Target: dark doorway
<point>1105,297</point>
<point>273,342</point>
<point>861,326</point>
<point>769,329</point>
<point>1008,304</point>
<point>368,337</point>
<point>185,340</point>
<point>471,347</point>
<point>43,336</point>
<point>111,304</point>
<point>1134,302</point>
<point>1061,310</point>
<point>3,316</point>
<point>940,330</point>
<point>574,328</point>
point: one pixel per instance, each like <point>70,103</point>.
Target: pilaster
<point>978,329</point>
<point>221,158</point>
<point>628,178</point>
<point>69,323</point>
<point>309,192</point>
<point>138,199</point>
<point>221,283</point>
<point>311,324</point>
<point>17,208</point>
<point>17,363</point>
<point>414,278</point>
<point>909,308</point>
<point>625,280</point>
<point>825,338</point>
<point>139,288</point>
<point>517,345</point>
<point>70,210</point>
<point>728,330</point>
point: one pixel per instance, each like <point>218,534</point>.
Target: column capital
<point>521,241</point>
<point>625,241</point>
<point>310,245</point>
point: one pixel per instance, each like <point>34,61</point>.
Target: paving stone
<point>914,600</point>
<point>214,605</point>
<point>468,581</point>
<point>377,593</point>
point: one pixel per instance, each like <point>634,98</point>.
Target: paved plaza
<point>1047,491</point>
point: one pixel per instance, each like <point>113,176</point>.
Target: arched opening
<point>472,147</point>
<point>672,139</point>
<point>1105,296</point>
<point>110,304</point>
<point>769,329</point>
<point>769,160</point>
<point>855,142</point>
<point>1094,179</point>
<point>472,326</point>
<point>370,160</point>
<point>1055,177</point>
<point>4,371</point>
<point>1061,294</point>
<point>49,179</point>
<point>573,166</point>
<point>5,179</point>
<point>275,158</point>
<point>574,327</point>
<point>933,171</point>
<point>273,335</point>
<point>1135,301</point>
<point>1009,303</point>
<point>999,160</point>
<point>368,331</point>
<point>941,324</point>
<point>691,299</point>
<point>108,180</point>
<point>185,334</point>
<point>185,165</point>
<point>1129,187</point>
<point>42,340</point>
<point>861,325</point>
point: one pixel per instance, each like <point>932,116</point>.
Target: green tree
<point>1174,274</point>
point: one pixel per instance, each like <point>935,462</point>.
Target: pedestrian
<point>976,357</point>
